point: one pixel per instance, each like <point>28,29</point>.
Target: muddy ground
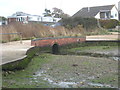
<point>67,71</point>
<point>80,71</point>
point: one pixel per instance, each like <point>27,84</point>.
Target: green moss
<point>22,78</point>
<point>108,79</point>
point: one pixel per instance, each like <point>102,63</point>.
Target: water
<point>116,58</point>
<point>64,84</point>
<point>53,81</point>
<point>100,85</point>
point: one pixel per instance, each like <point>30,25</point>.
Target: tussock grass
<point>36,30</point>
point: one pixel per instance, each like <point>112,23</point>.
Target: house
<point>25,18</point>
<point>99,12</point>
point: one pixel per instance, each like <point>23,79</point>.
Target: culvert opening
<point>55,49</point>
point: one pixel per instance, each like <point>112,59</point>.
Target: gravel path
<point>102,37</point>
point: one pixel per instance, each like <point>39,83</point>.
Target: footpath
<point>13,51</point>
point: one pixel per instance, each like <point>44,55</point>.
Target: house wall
<point>11,20</point>
<point>34,18</point>
<point>114,13</point>
<point>0,22</point>
<point>98,16</point>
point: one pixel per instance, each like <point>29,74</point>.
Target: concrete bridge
<point>54,43</point>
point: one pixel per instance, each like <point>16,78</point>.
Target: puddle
<point>53,81</point>
<point>60,83</point>
<point>116,58</point>
<point>42,74</point>
<point>67,84</point>
<point>100,85</point>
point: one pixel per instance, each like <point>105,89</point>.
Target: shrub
<point>16,39</point>
<point>85,22</point>
<point>109,24</point>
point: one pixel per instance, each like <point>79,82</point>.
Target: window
<point>115,15</point>
<point>112,16</point>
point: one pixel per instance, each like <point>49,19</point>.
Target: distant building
<point>99,12</point>
<point>25,18</point>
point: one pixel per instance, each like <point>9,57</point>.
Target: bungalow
<point>99,12</point>
<point>25,18</point>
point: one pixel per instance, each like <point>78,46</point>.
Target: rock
<point>82,83</point>
<point>34,73</point>
<point>74,65</point>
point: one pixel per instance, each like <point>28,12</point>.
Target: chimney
<point>88,9</point>
<point>119,6</point>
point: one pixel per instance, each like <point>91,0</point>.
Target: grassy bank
<point>37,30</point>
<point>90,48</point>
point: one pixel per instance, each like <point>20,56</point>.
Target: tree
<point>2,18</point>
<point>58,13</point>
<point>47,13</point>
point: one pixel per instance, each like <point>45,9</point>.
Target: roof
<point>92,11</point>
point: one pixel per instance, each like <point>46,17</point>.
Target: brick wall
<point>59,41</point>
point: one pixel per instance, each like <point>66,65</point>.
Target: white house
<point>25,18</point>
<point>99,12</point>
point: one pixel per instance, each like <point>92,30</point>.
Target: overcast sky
<point>36,7</point>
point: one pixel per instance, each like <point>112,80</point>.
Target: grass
<point>61,68</point>
<point>91,48</point>
<point>22,78</point>
<point>37,30</point>
<point>107,79</point>
<point>114,30</point>
<point>96,49</point>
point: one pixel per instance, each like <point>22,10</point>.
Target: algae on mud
<point>59,69</point>
<point>67,71</point>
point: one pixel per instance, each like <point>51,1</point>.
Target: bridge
<point>55,42</point>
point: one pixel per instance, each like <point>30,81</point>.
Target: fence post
<point>21,38</point>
